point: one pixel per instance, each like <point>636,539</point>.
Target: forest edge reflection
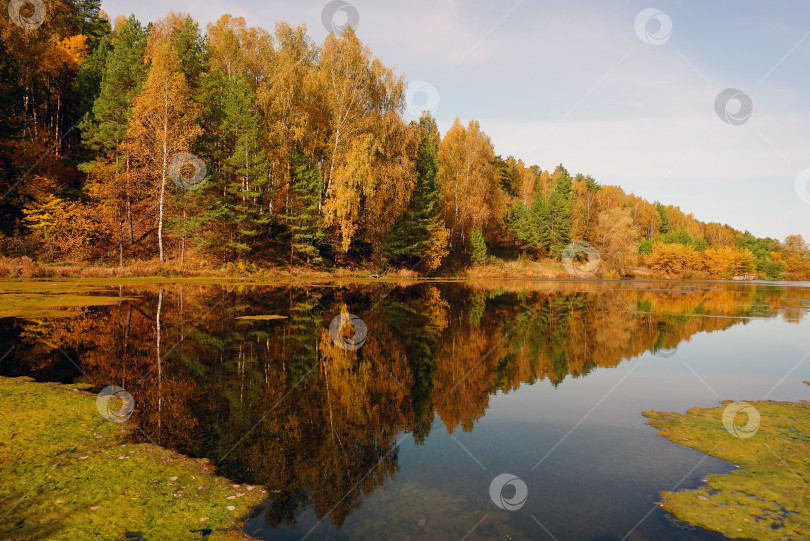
<point>276,402</point>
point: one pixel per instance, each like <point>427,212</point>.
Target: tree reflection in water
<point>276,402</point>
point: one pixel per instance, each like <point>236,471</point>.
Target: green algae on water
<point>66,473</point>
<point>768,497</point>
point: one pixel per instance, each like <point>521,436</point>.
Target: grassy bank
<point>768,497</point>
<point>67,473</point>
<point>549,269</point>
<point>11,268</point>
<point>521,268</point>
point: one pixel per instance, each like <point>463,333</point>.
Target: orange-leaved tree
<point>673,259</point>
<point>471,195</point>
<point>729,262</point>
<point>617,239</point>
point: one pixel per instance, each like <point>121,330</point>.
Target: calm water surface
<point>454,385</point>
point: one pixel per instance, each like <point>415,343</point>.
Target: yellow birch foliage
<point>164,115</point>
<point>646,216</point>
<point>673,259</point>
<point>343,206</point>
<point>583,206</point>
<point>469,182</point>
<point>62,227</point>
<point>370,169</point>
<point>616,239</point>
<point>729,262</point>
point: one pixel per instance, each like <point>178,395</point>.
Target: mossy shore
<point>768,497</point>
<point>66,473</point>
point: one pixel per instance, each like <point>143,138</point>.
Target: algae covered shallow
<point>68,473</point>
<point>768,497</point>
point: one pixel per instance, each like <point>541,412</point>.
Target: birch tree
<point>164,118</point>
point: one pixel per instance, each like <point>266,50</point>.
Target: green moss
<point>67,473</point>
<point>34,306</point>
<point>768,496</point>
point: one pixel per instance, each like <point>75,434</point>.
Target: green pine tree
<point>87,20</point>
<point>522,226</point>
<point>306,231</point>
<point>559,212</point>
<point>105,128</point>
<point>245,166</point>
<point>191,50</point>
<point>410,238</point>
<point>662,213</point>
<point>88,79</point>
<point>124,72</point>
<point>235,221</point>
<point>540,222</point>
<point>478,248</point>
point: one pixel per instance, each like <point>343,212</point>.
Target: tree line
<point>123,142</point>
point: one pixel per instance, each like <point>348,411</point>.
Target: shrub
<point>478,248</point>
<point>673,259</point>
<point>645,248</point>
<point>729,262</point>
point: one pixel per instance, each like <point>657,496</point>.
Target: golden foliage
<point>369,154</point>
<point>673,259</point>
<point>438,248</point>
<point>471,195</point>
<point>61,227</point>
<point>616,238</point>
<point>729,262</point>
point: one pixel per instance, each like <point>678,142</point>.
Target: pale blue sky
<point>573,82</point>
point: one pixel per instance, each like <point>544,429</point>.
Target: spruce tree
<point>559,210</point>
<point>478,248</point>
<point>124,73</point>
<point>411,236</point>
<point>522,226</point>
<point>540,222</point>
<point>306,232</point>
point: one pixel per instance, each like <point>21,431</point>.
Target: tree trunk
<point>183,240</point>
<point>162,188</point>
<point>129,205</point>
<point>120,236</point>
<point>159,361</point>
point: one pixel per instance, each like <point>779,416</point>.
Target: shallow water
<point>402,435</point>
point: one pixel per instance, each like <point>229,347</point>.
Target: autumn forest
<point>124,142</point>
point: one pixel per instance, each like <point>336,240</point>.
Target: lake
<point>481,410</point>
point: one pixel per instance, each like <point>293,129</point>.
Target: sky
<point>703,105</point>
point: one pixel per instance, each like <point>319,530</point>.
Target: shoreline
<point>502,270</point>
<point>61,457</point>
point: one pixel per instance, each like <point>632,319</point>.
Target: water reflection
<point>277,402</point>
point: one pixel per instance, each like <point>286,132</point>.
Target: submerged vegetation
<point>768,498</point>
<point>282,151</point>
<point>70,474</point>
